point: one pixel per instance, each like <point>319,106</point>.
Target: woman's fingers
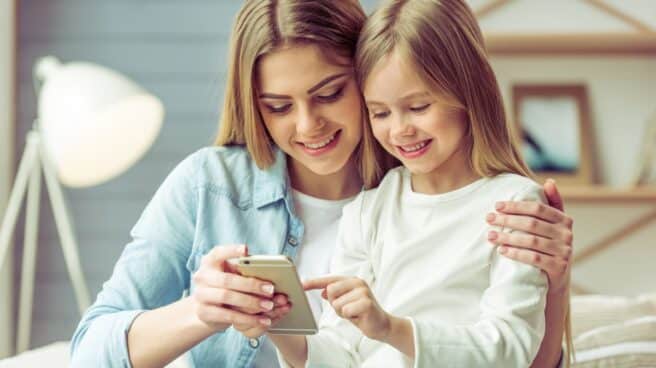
<point>533,209</point>
<point>553,195</point>
<point>531,225</point>
<point>219,315</point>
<point>555,267</point>
<point>231,298</point>
<point>215,278</point>
<point>529,241</point>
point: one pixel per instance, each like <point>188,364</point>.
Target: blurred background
<point>598,55</point>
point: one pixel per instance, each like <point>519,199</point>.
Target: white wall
<point>7,72</point>
<point>622,95</point>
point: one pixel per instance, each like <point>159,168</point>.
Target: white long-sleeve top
<point>427,258</point>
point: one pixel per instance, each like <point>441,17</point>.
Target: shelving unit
<point>598,193</point>
<point>602,194</point>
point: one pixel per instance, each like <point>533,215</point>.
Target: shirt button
<point>254,343</point>
<point>292,241</point>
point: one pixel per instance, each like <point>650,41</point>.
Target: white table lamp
<point>93,124</point>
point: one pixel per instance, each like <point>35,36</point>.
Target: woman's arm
<point>181,325</point>
<point>548,246</point>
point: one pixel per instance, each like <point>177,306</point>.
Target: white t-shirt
<point>427,258</point>
<point>320,219</point>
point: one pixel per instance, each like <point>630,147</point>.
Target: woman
<point>289,155</point>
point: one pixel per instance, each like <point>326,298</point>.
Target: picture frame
<point>552,123</point>
<point>646,160</point>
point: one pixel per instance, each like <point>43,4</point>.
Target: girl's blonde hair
<point>442,41</point>
<point>264,26</point>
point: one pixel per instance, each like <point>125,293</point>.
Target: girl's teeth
<point>320,144</point>
<point>416,147</point>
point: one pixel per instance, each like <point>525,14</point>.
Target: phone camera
<point>247,262</point>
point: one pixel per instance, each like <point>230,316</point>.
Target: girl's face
<point>311,107</point>
<point>410,122</point>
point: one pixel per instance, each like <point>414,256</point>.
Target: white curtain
<point>7,124</point>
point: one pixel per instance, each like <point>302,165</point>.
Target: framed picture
<point>552,122</point>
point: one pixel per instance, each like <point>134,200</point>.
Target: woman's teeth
<point>415,147</point>
<point>321,144</point>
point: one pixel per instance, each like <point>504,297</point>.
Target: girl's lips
<point>320,151</point>
<point>414,154</point>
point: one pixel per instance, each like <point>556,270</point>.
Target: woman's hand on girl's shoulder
<point>546,235</point>
<point>223,298</point>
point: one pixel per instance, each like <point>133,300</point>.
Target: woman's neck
<point>342,184</point>
<point>456,172</point>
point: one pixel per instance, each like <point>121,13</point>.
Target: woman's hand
<point>547,239</point>
<point>353,300</point>
<point>223,298</point>
<point>254,330</point>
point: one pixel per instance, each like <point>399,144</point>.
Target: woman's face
<point>311,107</point>
<point>411,122</point>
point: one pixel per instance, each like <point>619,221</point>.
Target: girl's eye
<point>419,108</point>
<point>278,109</point>
<point>331,97</point>
<point>379,115</point>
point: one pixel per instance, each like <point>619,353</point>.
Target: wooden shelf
<point>607,194</point>
<point>576,44</point>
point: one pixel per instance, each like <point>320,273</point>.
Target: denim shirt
<point>215,196</point>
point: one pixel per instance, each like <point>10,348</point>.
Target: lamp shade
<point>95,122</point>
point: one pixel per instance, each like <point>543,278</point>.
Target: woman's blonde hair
<point>442,41</point>
<point>264,26</point>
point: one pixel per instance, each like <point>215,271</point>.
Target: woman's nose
<point>308,121</point>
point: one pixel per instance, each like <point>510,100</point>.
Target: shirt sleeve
<point>151,272</point>
<point>510,328</point>
<point>335,345</point>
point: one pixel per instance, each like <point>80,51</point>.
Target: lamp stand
<point>34,159</point>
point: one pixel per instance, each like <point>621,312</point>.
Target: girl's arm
<point>548,246</point>
<point>293,349</point>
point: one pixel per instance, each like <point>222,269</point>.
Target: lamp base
<point>34,159</point>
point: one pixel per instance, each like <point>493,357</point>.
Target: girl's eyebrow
<point>409,96</point>
<point>317,86</point>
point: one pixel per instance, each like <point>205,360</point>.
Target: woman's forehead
<point>296,68</point>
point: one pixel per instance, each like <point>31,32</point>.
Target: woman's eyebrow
<point>326,81</point>
<point>309,91</point>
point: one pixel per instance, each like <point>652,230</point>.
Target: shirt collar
<point>272,184</point>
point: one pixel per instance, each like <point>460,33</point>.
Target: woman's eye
<point>419,108</point>
<point>331,97</point>
<point>277,109</point>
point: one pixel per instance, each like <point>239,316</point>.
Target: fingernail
<point>267,304</point>
<point>242,249</point>
<point>268,289</point>
<point>492,235</point>
<point>499,205</point>
<point>490,217</point>
<point>265,321</point>
<point>503,250</point>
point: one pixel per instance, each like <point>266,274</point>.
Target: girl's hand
<point>353,300</point>
<point>222,297</point>
<point>547,242</point>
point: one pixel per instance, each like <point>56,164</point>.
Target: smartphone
<point>280,271</point>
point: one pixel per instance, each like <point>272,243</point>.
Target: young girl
<point>418,283</point>
<point>293,148</point>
